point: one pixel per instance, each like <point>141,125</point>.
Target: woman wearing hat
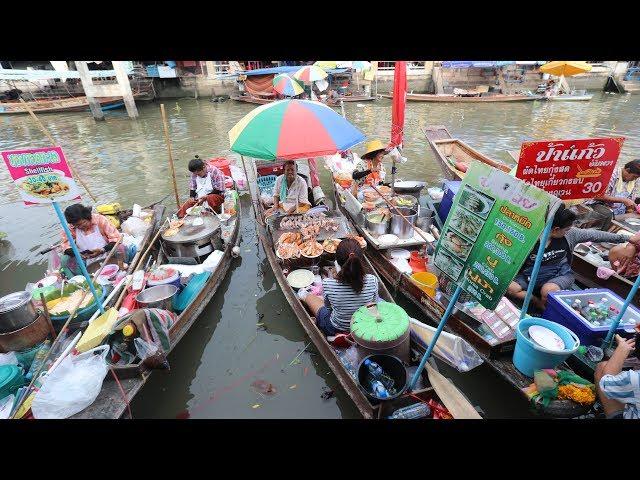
<point>370,171</point>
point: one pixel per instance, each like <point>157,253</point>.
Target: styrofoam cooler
<point>559,311</point>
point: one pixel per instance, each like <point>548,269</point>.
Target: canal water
<point>248,332</point>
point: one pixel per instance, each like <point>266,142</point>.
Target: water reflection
<point>126,161</point>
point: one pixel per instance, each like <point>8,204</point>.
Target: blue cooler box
<point>450,188</point>
<point>560,312</point>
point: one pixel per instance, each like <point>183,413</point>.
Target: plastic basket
<point>266,183</point>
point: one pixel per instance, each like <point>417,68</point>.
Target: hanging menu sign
<point>494,222</point>
<point>42,175</point>
<point>570,169</point>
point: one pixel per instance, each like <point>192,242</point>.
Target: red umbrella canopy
<point>399,103</point>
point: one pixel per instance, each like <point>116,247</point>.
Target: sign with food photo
<point>570,169</point>
<point>494,222</point>
<point>41,175</point>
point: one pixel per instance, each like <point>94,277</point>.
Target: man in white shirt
<point>290,193</point>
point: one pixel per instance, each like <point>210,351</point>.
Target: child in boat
<point>618,391</point>
<point>343,295</point>
<point>555,271</point>
<point>206,185</point>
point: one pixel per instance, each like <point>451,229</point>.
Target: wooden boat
<point>498,356</point>
<point>251,99</point>
<point>350,98</point>
<point>110,402</point>
<point>450,150</point>
<point>74,104</point>
<point>570,97</point>
<point>367,408</point>
<point>480,98</point>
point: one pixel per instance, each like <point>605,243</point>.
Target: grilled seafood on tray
<point>311,248</point>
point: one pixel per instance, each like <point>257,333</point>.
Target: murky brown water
<point>214,364</point>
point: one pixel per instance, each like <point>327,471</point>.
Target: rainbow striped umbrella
<point>310,73</point>
<point>291,129</point>
<point>286,85</point>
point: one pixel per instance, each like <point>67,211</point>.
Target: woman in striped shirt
<point>619,391</point>
<point>343,295</point>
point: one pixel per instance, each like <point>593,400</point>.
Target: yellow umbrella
<point>566,69</point>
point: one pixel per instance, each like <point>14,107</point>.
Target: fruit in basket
<point>330,245</point>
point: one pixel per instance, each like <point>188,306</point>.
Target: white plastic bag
<point>8,358</point>
<point>451,349</point>
<point>73,385</point>
<point>135,226</point>
<point>238,176</point>
<point>212,261</point>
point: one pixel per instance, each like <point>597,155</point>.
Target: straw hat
<point>373,146</point>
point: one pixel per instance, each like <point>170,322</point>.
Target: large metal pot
<point>376,229</point>
<point>16,311</point>
<point>160,296</point>
<point>399,227</point>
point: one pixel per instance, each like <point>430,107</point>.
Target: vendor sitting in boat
<point>619,198</point>
<point>618,390</point>
<point>94,235</point>
<point>370,170</point>
<point>343,295</point>
<point>206,185</point>
<point>555,271</point>
<point>290,192</point>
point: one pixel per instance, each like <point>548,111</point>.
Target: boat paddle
<point>456,403</point>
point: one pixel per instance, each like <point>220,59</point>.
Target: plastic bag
<point>451,349</point>
<point>152,357</point>
<point>135,226</point>
<point>72,386</point>
<point>238,176</point>
<point>212,261</point>
<point>6,405</point>
<point>54,261</point>
<point>8,358</point>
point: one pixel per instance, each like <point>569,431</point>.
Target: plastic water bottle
<point>378,390</point>
<point>378,374</point>
<point>417,410</point>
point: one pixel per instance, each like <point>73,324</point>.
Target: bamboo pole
<point>54,144</point>
<point>168,140</point>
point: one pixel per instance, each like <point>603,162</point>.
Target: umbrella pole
<point>250,185</point>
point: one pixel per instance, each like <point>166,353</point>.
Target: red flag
<point>399,103</point>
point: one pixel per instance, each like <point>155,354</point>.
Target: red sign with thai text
<point>570,169</point>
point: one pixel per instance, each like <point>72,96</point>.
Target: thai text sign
<point>41,175</point>
<point>494,222</point>
<point>570,169</point>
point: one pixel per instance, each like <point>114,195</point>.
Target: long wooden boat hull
<point>364,405</point>
<point>450,98</point>
<point>449,150</point>
<point>570,98</point>
<point>351,98</point>
<point>110,402</point>
<point>76,104</point>
<point>251,99</point>
<point>498,359</point>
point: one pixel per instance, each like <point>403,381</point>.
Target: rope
<point>124,395</point>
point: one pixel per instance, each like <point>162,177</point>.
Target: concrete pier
<point>120,89</point>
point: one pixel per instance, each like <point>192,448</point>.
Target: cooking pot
<point>410,187</point>
<point>399,227</point>
<point>160,296</point>
<point>16,311</point>
<point>376,229</point>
